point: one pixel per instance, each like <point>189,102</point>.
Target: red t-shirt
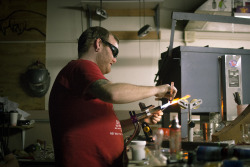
<point>85,129</point>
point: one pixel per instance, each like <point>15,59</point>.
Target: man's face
<point>105,59</point>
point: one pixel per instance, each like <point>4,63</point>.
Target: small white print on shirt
<point>115,133</point>
<point>117,127</point>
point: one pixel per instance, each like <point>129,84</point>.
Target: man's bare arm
<point>125,93</point>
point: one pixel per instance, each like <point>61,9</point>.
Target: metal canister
<point>211,130</point>
<point>205,131</point>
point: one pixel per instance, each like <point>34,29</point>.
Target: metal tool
<point>237,98</point>
<point>194,104</point>
<point>171,91</point>
<point>146,112</point>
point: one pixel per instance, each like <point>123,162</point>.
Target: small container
<point>13,118</point>
<point>205,132</point>
<point>138,150</point>
<point>211,130</point>
<point>166,133</point>
<point>175,139</point>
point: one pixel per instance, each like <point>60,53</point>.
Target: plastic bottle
<point>175,139</point>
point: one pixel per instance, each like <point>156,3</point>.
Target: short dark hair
<point>89,36</point>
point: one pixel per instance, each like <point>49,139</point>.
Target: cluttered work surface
<point>197,154</point>
<point>229,147</point>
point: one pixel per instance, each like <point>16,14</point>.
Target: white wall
<point>137,60</point>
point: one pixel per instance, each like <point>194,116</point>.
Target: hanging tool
<point>237,98</point>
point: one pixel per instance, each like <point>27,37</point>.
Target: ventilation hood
<point>119,4</point>
<point>194,28</point>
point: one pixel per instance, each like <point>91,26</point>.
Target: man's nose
<point>114,60</point>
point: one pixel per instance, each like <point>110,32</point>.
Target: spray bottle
<point>175,139</point>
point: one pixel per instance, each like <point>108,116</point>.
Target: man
<point>7,159</point>
<point>85,129</point>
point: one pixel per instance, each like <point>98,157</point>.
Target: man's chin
<point>108,71</point>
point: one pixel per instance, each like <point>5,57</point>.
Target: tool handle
<point>143,115</point>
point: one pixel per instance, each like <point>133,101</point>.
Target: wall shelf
<point>132,35</point>
<point>129,8</point>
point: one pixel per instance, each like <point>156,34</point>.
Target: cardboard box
<point>233,131</point>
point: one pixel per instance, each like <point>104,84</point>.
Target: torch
<point>149,110</point>
<point>146,112</point>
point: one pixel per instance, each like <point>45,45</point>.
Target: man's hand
<point>154,118</point>
<point>165,92</point>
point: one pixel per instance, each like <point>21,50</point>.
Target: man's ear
<point>97,44</point>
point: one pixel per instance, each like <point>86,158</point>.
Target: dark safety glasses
<point>114,49</point>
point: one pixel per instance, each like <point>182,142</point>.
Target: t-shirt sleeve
<point>91,72</point>
<point>78,75</point>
